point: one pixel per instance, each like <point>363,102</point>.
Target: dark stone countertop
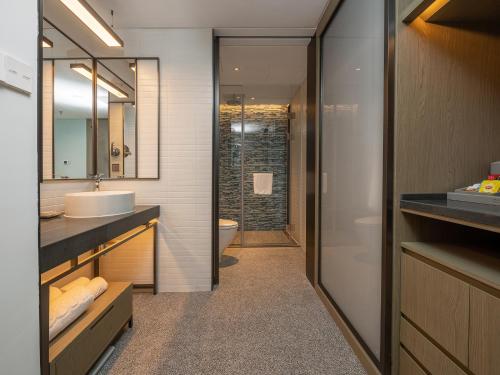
<point>62,238</point>
<point>438,204</point>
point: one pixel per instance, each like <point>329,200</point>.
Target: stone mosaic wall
<point>265,150</point>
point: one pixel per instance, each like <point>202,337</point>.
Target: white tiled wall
<point>147,118</point>
<point>184,189</point>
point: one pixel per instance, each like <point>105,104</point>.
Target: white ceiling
<point>297,17</point>
<point>271,70</point>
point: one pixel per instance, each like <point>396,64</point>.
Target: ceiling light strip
<point>47,43</point>
<point>94,22</point>
<point>85,71</point>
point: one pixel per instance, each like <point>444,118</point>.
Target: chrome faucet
<point>98,178</point>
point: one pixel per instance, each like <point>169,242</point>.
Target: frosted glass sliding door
<point>352,165</point>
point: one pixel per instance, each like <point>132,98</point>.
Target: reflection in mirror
<point>73,129</point>
<point>103,122</point>
<point>58,46</point>
<point>64,94</point>
<point>116,118</point>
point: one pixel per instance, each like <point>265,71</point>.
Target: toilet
<point>227,231</point>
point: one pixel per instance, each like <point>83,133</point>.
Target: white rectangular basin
<point>98,204</point>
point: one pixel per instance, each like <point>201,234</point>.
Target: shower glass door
<point>253,169</point>
<point>265,174</point>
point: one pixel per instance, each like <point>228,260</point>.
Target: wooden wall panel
<point>447,122</point>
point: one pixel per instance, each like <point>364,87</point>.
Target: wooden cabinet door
<point>438,303</point>
<point>484,346</point>
<point>426,353</point>
<point>407,366</point>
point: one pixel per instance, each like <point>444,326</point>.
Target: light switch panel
<point>16,74</point>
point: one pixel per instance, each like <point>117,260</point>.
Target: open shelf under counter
<point>75,349</point>
<point>452,11</point>
<point>436,206</point>
<point>475,263</point>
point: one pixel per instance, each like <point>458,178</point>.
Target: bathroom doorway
<point>261,143</point>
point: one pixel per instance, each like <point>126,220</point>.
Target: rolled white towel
<point>65,309</point>
<point>97,286</point>
<point>81,281</point>
<point>54,293</point>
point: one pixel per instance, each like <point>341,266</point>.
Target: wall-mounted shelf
<point>436,206</point>
<point>448,11</point>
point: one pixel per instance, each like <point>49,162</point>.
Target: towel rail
<point>75,263</point>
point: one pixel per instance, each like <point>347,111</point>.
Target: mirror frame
<point>95,61</point>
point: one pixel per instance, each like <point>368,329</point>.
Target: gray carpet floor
<point>264,318</point>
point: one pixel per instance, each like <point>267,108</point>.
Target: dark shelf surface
<point>437,206</point>
<point>62,238</point>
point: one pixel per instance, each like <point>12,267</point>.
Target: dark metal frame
<point>94,58</point>
<point>384,364</point>
<point>215,162</point>
<point>215,147</point>
<point>311,162</point>
<point>95,62</point>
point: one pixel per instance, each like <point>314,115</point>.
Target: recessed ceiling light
<point>47,43</point>
<point>93,21</point>
<point>252,98</point>
<point>85,71</point>
<point>236,69</point>
<point>358,69</point>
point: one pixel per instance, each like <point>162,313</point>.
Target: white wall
<point>19,337</point>
<point>70,139</point>
<point>184,189</point>
<point>298,134</point>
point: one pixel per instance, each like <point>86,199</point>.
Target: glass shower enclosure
<point>253,169</point>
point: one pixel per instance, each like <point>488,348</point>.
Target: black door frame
<point>216,140</point>
<point>384,364</point>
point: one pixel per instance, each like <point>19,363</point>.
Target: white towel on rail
<point>263,183</point>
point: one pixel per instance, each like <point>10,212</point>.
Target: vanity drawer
<point>407,366</point>
<point>484,333</point>
<point>430,356</point>
<point>82,352</point>
<point>437,303</point>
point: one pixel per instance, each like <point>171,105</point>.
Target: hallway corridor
<point>265,318</point>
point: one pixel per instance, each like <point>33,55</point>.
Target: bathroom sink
<point>98,203</point>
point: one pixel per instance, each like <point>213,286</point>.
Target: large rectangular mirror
<point>100,115</point>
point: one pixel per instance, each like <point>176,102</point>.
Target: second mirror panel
<point>72,132</point>
<point>116,118</point>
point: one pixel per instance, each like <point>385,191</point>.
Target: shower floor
<point>264,237</point>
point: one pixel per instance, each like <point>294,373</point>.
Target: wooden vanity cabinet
<point>438,303</point>
<point>78,347</point>
<point>484,349</point>
<point>450,310</point>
